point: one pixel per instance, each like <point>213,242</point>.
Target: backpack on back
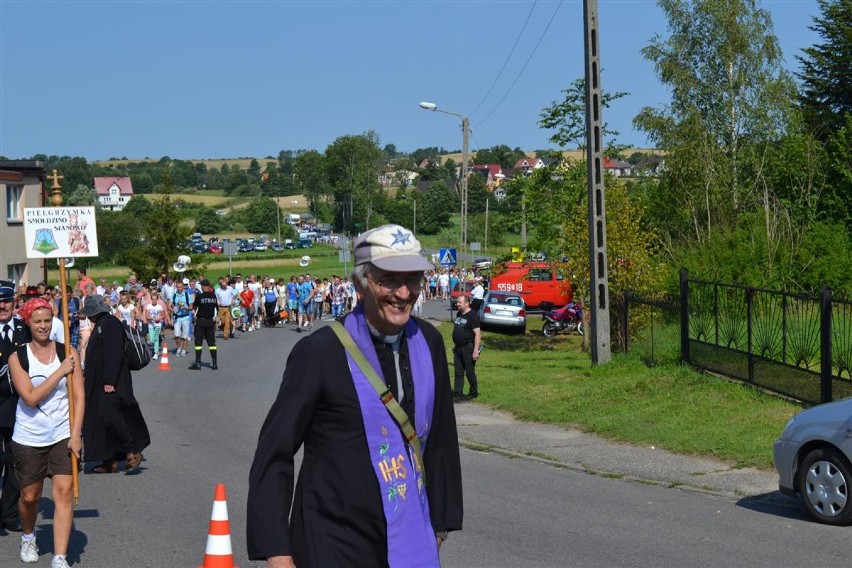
<point>137,352</point>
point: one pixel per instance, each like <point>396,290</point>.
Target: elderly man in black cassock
<point>380,481</point>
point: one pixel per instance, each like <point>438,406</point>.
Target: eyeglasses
<point>393,283</point>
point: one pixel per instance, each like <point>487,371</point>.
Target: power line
<point>523,68</point>
<point>509,56</point>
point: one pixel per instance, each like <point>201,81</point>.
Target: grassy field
<point>290,203</point>
<point>670,406</point>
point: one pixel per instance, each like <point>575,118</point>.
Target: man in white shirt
<point>224,299</point>
<point>477,295</point>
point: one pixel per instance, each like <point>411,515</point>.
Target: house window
<point>15,272</point>
<point>14,203</point>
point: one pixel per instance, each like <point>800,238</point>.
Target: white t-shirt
<point>57,331</point>
<point>126,313</point>
<point>256,288</point>
<point>155,314</point>
<point>47,422</point>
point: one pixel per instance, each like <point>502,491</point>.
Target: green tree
<point>261,215</point>
<point>826,93</point>
<point>208,221</point>
<point>138,206</point>
<point>164,233</point>
<point>477,193</point>
<point>730,97</point>
<point>500,154</point>
<point>142,182</point>
<point>253,170</point>
<point>567,118</point>
<point>119,232</point>
<point>83,196</point>
<point>352,168</point>
<point>310,173</point>
<point>434,209</point>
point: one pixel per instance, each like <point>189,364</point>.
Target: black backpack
<point>137,352</point>
<point>24,358</point>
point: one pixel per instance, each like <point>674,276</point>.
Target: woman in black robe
<point>114,429</point>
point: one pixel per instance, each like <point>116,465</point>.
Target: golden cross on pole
<point>56,200</point>
<point>55,189</point>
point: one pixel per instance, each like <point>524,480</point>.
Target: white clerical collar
<point>390,339</point>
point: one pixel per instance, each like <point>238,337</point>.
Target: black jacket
<point>8,396</point>
<point>337,517</point>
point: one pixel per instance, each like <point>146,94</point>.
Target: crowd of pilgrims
<point>256,301</point>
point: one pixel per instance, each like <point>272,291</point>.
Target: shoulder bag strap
<point>384,393</point>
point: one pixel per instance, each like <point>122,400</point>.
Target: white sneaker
<point>59,562</point>
<point>29,551</point>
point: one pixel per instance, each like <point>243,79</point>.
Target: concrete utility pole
<point>598,274</point>
<point>463,187</point>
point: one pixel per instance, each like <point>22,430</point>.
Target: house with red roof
<point>113,192</point>
<point>617,168</point>
<point>492,173</point>
<point>525,166</point>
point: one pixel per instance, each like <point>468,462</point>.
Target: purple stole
<point>411,538</point>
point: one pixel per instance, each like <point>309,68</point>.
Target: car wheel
<point>549,329</point>
<point>824,480</point>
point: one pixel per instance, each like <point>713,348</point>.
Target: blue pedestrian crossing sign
<point>448,257</point>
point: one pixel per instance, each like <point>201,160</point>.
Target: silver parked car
<point>504,310</point>
<point>813,457</point>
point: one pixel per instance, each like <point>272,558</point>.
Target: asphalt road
<point>520,511</point>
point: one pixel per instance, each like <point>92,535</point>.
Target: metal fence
<point>796,345</point>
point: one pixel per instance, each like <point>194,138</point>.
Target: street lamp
<point>465,135</point>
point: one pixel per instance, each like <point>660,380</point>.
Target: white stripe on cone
<point>218,545</point>
<point>220,511</point>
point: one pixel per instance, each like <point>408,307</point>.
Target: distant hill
<point>244,163</point>
<point>572,154</point>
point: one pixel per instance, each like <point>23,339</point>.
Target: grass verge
<point>670,406</point>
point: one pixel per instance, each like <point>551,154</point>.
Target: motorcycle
<point>568,318</point>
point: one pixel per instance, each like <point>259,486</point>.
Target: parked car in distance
<point>200,247</point>
<point>305,243</point>
<point>277,247</point>
<point>460,288</point>
<point>260,246</point>
<point>503,310</point>
<point>813,457</point>
<point>216,248</point>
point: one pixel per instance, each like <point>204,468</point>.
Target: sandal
<point>108,466</point>
<point>133,460</point>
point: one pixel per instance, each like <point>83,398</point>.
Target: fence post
<point>749,298</point>
<point>825,344</point>
<point>684,315</point>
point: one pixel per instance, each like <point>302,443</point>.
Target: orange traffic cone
<point>219,553</point>
<point>164,359</point>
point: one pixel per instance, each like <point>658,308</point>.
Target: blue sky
<point>193,79</point>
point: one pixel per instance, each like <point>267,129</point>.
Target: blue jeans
<point>336,310</point>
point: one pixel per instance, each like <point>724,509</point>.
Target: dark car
<point>305,243</point>
<point>199,247</point>
<point>277,247</point>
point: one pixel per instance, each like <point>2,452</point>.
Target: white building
<point>113,192</point>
